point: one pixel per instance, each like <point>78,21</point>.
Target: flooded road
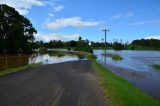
<point>136,67</point>
<point>9,61</point>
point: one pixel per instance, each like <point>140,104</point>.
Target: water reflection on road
<point>9,61</point>
<point>47,59</point>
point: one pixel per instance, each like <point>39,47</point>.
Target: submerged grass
<point>13,70</point>
<point>157,66</point>
<point>56,53</point>
<point>88,55</point>
<point>113,56</point>
<point>119,92</point>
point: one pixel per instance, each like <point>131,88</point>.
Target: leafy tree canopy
<point>16,31</point>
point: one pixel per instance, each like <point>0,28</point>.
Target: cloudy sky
<point>69,19</point>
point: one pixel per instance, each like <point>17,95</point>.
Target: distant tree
<point>152,43</point>
<point>118,45</point>
<point>72,43</point>
<point>16,31</point>
<point>80,39</point>
<point>83,45</point>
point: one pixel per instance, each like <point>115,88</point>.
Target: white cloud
<point>22,11</point>
<point>56,36</point>
<point>130,14</point>
<point>22,6</point>
<point>51,14</point>
<point>73,21</point>
<point>117,16</point>
<point>151,22</point>
<point>58,8</point>
<point>139,23</point>
<point>153,37</point>
<point>126,15</point>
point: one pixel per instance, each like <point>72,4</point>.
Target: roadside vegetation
<point>13,70</point>
<point>88,55</point>
<point>119,92</point>
<point>113,56</point>
<point>157,66</point>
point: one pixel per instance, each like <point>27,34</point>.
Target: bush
<point>113,56</point>
<point>68,49</point>
<point>43,50</point>
<point>118,46</point>
<point>85,49</point>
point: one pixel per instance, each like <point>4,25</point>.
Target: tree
<point>152,43</point>
<point>16,31</point>
<point>118,45</point>
<point>83,45</point>
<point>80,39</point>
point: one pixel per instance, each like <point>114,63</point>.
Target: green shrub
<point>113,56</point>
<point>156,66</point>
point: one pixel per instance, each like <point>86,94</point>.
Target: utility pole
<point>105,32</point>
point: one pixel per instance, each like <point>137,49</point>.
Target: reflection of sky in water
<point>46,59</point>
<point>136,60</point>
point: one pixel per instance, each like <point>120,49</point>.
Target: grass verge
<point>113,56</point>
<point>13,70</point>
<point>119,92</point>
<point>157,66</point>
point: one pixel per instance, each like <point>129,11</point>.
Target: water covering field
<point>132,59</point>
<point>136,67</point>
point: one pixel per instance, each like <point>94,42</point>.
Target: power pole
<point>105,32</point>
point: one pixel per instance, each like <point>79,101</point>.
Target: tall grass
<point>113,56</point>
<point>88,55</point>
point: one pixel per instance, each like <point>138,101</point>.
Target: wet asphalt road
<point>63,84</point>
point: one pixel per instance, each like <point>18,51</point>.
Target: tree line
<point>152,43</point>
<point>116,44</point>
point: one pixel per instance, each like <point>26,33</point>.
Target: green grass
<point>88,55</point>
<point>13,70</point>
<point>157,66</point>
<point>119,92</point>
<point>113,56</point>
<point>56,53</point>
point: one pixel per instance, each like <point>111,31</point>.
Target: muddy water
<point>136,67</point>
<point>9,61</point>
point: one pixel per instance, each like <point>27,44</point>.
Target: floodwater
<point>9,61</point>
<point>136,67</point>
